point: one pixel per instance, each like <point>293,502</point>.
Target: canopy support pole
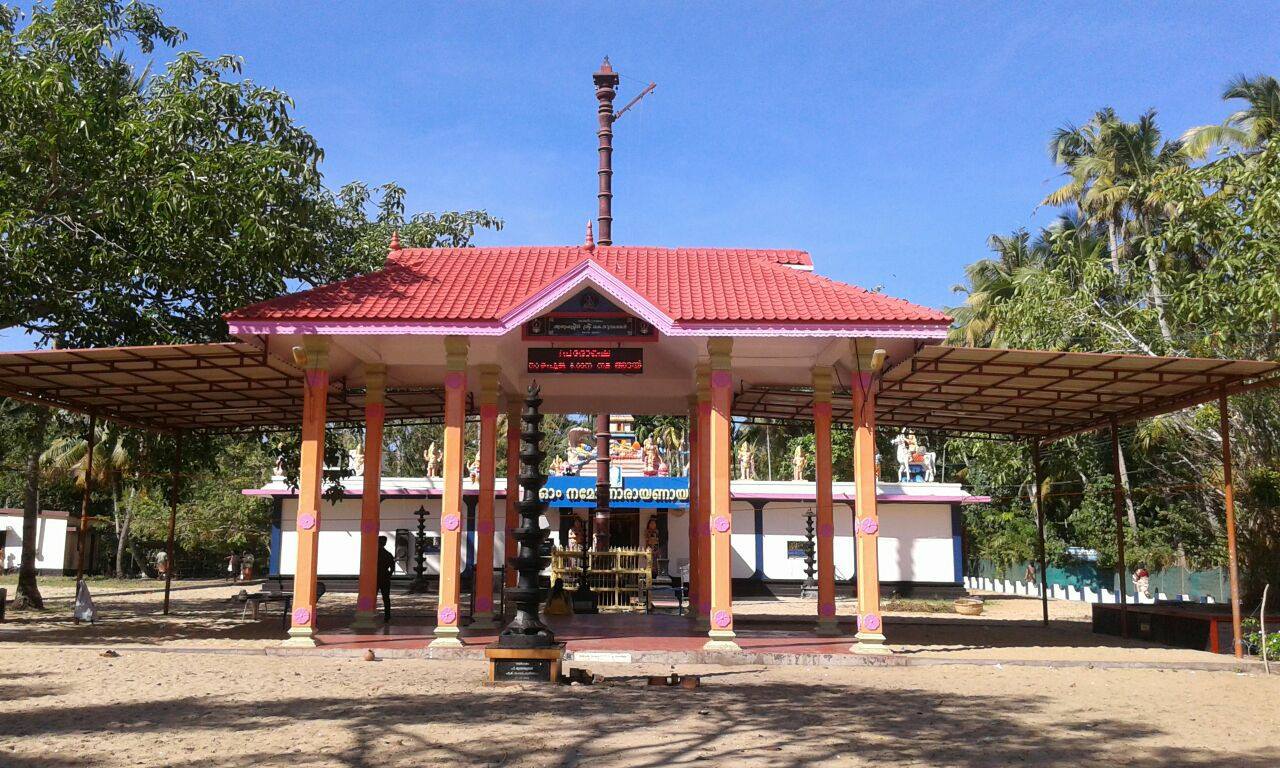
<point>1117,496</point>
<point>173,517</point>
<point>83,533</point>
<point>1229,501</point>
<point>1038,473</point>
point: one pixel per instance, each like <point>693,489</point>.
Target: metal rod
<point>1038,474</point>
<point>1229,501</point>
<point>173,517</point>
<point>84,499</point>
<point>1117,497</point>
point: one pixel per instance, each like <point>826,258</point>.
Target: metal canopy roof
<point>1003,392</point>
<point>1026,393</point>
<point>216,387</point>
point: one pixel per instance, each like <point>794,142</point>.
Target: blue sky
<point>889,142</point>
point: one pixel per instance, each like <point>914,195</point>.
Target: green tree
<point>1247,128</point>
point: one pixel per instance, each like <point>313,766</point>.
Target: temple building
<point>719,336</point>
<point>920,547</point>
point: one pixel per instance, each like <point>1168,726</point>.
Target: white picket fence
<point>1067,592</point>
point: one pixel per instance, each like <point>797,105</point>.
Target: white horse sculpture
<point>905,446</point>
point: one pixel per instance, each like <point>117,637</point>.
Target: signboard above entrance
<point>586,360</point>
<point>588,327</point>
<point>635,492</point>
<point>589,315</point>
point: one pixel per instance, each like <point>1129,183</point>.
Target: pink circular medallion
<point>453,380</point>
<point>451,522</point>
<point>307,521</point>
<point>301,616</point>
<point>448,614</point>
<point>364,604</point>
<point>826,529</point>
<point>723,619</point>
<point>369,527</point>
<point>870,622</point>
<point>722,523</point>
<point>721,379</point>
<point>869,525</point>
<point>826,610</point>
<point>484,603</point>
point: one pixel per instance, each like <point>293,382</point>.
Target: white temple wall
<point>916,539</point>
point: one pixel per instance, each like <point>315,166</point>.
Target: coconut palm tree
<point>1248,128</point>
<point>115,464</point>
<point>1112,166</point>
<point>991,282</point>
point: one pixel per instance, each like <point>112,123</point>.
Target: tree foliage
<point>1152,255</point>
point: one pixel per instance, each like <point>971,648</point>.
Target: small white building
<point>53,542</point>
<point>919,543</point>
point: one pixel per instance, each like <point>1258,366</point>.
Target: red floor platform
<point>611,632</point>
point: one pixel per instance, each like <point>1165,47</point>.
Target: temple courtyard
<point>206,686</point>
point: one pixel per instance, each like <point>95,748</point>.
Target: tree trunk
<point>122,531</point>
<point>1128,496</point>
<point>1157,297</point>
<point>1113,244</point>
<point>28,595</point>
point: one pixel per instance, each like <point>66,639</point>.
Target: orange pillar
<point>721,633</point>
<point>483,614</point>
<point>1229,501</point>
<point>375,381</point>
<point>703,512</point>
<point>455,395</point>
<point>314,356</point>
<point>692,584</point>
<point>513,490</point>
<point>867,364</point>
<point>825,517</point>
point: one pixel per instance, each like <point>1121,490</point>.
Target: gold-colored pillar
<point>313,355</point>
<point>867,362</point>
<point>483,579</point>
<point>513,489</point>
<point>822,472</point>
<point>721,635</point>
<point>455,395</point>
<point>375,410</point>
<point>703,512</point>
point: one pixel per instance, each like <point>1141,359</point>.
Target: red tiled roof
<point>689,285</point>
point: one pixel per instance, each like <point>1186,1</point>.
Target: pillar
<point>513,490</point>
<point>375,409</point>
<point>1229,501</point>
<point>482,617</point>
<point>1117,511</point>
<point>721,635</point>
<point>314,357</point>
<point>703,512</point>
<point>865,381</point>
<point>692,585</point>
<point>455,395</point>
<point>1037,473</point>
<point>822,471</point>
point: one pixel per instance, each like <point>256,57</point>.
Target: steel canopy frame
<point>216,387</point>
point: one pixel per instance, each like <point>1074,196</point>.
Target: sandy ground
<point>77,708</point>
<point>205,615</point>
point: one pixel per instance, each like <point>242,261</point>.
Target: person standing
<point>386,564</point>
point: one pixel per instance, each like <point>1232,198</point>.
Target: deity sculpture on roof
<point>746,462</point>
<point>798,463</point>
<point>432,457</point>
<point>651,457</point>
